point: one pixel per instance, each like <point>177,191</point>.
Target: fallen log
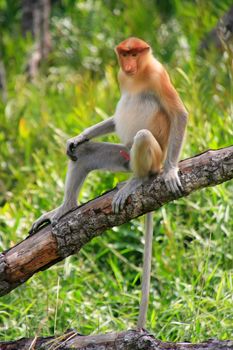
<point>52,244</point>
<point>128,340</point>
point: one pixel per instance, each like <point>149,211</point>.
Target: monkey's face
<point>130,54</point>
<point>129,62</point>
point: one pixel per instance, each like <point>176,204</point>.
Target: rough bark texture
<point>129,340</point>
<point>50,245</point>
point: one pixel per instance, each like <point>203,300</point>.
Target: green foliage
<point>98,291</point>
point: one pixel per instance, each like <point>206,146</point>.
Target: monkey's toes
<point>33,229</point>
<point>38,225</point>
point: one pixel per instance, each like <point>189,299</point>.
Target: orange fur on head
<point>131,45</point>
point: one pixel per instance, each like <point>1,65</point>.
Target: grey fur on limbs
<point>105,127</point>
<point>90,156</point>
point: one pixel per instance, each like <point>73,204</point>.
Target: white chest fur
<point>133,113</point>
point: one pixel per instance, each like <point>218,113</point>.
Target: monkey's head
<point>131,54</point>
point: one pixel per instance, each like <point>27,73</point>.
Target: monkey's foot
<point>121,196</point>
<point>52,217</point>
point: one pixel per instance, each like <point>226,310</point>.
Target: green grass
<point>98,290</point>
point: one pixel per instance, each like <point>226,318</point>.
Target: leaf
<point>23,128</point>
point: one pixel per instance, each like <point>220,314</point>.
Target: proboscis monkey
<point>150,120</point>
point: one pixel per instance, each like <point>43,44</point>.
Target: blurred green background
<point>98,290</point>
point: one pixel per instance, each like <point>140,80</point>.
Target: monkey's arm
<point>102,128</point>
<point>178,115</point>
<point>176,136</point>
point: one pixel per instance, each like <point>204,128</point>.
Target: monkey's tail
<point>146,271</point>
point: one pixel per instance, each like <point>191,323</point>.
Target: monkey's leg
<point>145,158</point>
<point>90,156</point>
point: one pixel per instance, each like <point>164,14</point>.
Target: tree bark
<point>220,36</point>
<point>3,87</point>
<point>35,20</point>
<point>50,245</point>
<point>28,17</point>
<point>128,340</point>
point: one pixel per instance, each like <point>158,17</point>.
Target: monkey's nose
<point>128,68</point>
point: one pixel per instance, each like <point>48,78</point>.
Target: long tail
<point>146,271</point>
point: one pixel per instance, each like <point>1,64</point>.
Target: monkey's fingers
<point>72,145</point>
<point>174,185</point>
<point>179,184</point>
<point>116,204</point>
<point>119,201</point>
<point>70,151</point>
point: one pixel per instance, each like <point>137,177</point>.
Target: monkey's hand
<point>73,143</point>
<point>172,181</point>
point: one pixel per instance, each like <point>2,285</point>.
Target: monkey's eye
<point>134,54</point>
<point>124,54</point>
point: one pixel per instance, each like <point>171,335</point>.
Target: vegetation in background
<point>98,290</point>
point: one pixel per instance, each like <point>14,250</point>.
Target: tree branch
<point>75,229</point>
<point>128,340</point>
